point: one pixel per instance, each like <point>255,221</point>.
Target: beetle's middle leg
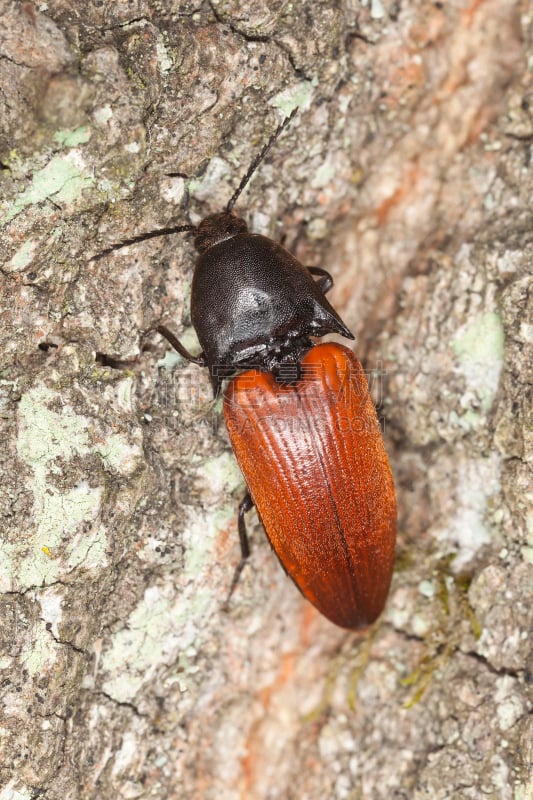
<point>244,506</point>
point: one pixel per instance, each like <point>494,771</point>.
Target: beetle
<point>299,416</point>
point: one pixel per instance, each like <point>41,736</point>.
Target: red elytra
<point>315,464</point>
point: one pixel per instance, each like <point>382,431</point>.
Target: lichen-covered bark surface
<point>407,174</point>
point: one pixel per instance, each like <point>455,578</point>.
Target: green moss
<point>361,655</point>
<point>422,676</point>
<point>444,639</point>
<point>362,658</point>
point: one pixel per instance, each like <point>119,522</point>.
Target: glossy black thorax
<point>253,304</point>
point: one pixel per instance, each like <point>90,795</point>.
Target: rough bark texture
<point>407,174</point>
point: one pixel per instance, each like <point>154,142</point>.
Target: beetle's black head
<point>217,228</point>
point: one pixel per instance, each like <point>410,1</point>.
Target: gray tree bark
<point>406,174</point>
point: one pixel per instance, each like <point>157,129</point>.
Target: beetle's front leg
<point>325,281</point>
<point>244,506</point>
<point>177,345</point>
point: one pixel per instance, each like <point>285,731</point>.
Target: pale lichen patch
<point>51,601</point>
<point>477,483</point>
<point>163,627</point>
<point>88,551</point>
<point>298,96</point>
<point>42,653</point>
<point>23,256</point>
<point>479,346</point>
<point>155,632</point>
<point>48,437</point>
<point>7,568</point>
<point>73,137</point>
<point>12,791</point>
<point>199,537</point>
<point>64,178</point>
<point>222,474</point>
<point>119,455</point>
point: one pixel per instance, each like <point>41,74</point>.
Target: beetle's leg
<point>177,345</point>
<point>244,506</point>
<point>325,280</point>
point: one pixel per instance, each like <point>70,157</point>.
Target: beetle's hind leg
<point>244,506</point>
<point>325,281</point>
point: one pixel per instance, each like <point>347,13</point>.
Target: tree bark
<point>406,173</point>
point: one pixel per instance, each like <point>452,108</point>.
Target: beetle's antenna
<point>142,237</point>
<point>257,160</point>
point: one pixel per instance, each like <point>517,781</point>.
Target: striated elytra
<point>316,467</point>
<point>299,415</point>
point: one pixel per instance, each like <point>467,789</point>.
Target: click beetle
<point>300,419</point>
